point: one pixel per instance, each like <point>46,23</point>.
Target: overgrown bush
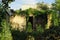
<point>5,33</point>
<point>29,28</point>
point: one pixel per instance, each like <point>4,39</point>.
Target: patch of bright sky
<point>18,3</point>
<point>0,1</point>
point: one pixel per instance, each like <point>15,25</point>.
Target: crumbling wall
<point>49,21</point>
<point>18,22</point>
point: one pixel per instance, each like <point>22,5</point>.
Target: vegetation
<point>45,27</point>
<point>5,33</point>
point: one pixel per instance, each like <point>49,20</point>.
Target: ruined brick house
<point>20,22</point>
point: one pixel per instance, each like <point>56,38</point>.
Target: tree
<point>57,2</point>
<point>5,33</point>
<point>56,8</point>
<point>42,6</point>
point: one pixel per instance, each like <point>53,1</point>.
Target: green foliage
<point>7,1</point>
<point>39,29</point>
<point>42,9</point>
<point>17,11</point>
<point>57,4</point>
<point>35,12</point>
<point>53,32</point>
<point>29,11</point>
<point>42,6</point>
<point>55,15</point>
<point>29,28</point>
<point>17,35</point>
<point>55,19</point>
<point>5,34</point>
<point>43,12</point>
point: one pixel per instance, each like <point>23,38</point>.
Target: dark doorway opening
<point>41,20</point>
<point>31,20</point>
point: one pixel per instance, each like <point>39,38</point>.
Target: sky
<point>17,4</point>
<point>0,1</point>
